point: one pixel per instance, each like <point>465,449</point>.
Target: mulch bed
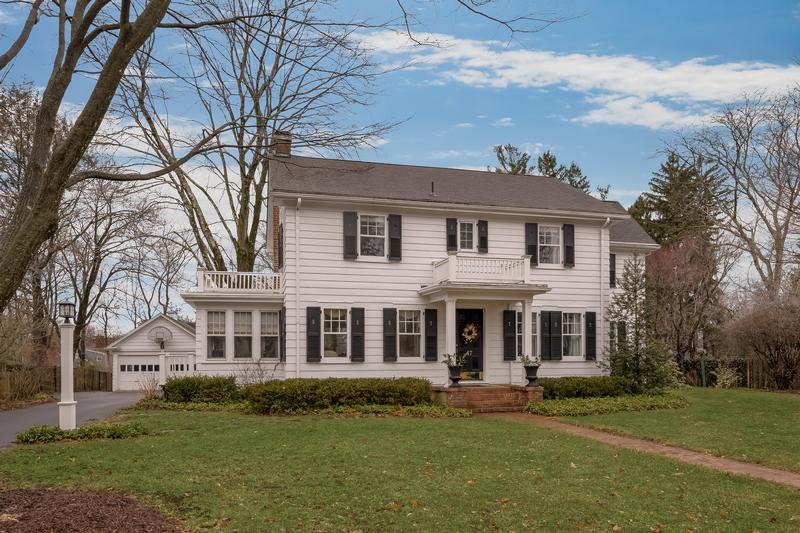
<point>61,510</point>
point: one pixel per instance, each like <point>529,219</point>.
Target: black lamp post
<point>66,310</point>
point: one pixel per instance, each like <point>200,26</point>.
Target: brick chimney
<point>282,143</point>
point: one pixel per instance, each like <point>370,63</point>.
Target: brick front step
<point>488,398</point>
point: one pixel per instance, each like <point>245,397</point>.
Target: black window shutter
<point>389,334</point>
<point>544,318</point>
<point>282,333</point>
<point>612,270</point>
<point>532,242</point>
<point>395,237</point>
<point>483,236</point>
<point>357,334</point>
<point>431,335</point>
<point>622,334</point>
<point>591,336</point>
<point>509,335</point>
<point>350,236</point>
<point>281,254</point>
<point>313,348</point>
<point>569,245</point>
<point>452,234</point>
<point>555,335</point>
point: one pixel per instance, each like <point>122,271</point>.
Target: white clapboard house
<point>379,269</point>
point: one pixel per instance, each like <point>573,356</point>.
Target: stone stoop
<point>488,398</point>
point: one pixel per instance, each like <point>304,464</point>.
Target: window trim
<point>581,335</point>
<point>421,334</point>
<point>559,246</point>
<point>378,258</point>
<point>348,350</point>
<point>276,336</point>
<point>474,224</point>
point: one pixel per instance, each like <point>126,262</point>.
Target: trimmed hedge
<point>45,434</point>
<point>303,395</point>
<point>204,389</point>
<point>603,406</point>
<point>584,387</point>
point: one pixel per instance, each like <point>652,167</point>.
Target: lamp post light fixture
<point>67,418</point>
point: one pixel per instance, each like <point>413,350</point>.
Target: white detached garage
<point>161,347</point>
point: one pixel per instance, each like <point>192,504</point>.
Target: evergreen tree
<point>547,165</point>
<point>683,200</point>
<point>511,159</point>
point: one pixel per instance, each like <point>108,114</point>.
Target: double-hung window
<point>334,332</point>
<point>534,329</point>
<point>269,334</point>
<point>409,326</point>
<point>572,335</point>
<point>372,235</point>
<point>549,245</point>
<point>466,235</point>
<point>243,334</point>
<point>216,335</point>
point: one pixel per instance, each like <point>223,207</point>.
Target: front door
<point>469,338</point>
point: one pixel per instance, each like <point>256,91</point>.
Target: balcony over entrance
<point>458,268</point>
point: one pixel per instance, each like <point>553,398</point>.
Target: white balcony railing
<point>213,281</point>
<point>470,268</point>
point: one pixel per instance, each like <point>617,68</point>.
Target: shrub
<point>584,387</point>
<point>302,395</point>
<point>158,404</point>
<point>650,367</point>
<point>602,406</point>
<point>211,389</point>
<point>45,434</point>
<point>726,376</point>
<point>417,411</point>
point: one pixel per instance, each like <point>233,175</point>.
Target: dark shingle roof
<point>358,179</point>
<point>629,231</point>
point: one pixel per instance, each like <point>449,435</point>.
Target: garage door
<point>133,373</point>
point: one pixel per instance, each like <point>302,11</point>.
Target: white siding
<point>329,280</point>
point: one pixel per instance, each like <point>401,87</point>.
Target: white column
<point>162,367</point>
<point>67,417</point>
<point>450,326</point>
<point>527,331</point>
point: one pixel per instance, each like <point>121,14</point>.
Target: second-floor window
<point>243,334</point>
<point>466,235</point>
<point>216,335</point>
<point>334,332</point>
<point>549,245</point>
<point>372,235</point>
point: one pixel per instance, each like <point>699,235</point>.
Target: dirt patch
<point>59,510</point>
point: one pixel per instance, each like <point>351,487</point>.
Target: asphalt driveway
<point>91,406</point>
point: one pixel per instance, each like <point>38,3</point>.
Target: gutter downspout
<point>605,225</point>
<point>297,285</point>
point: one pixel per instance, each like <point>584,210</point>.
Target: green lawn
<point>761,427</point>
<point>249,473</point>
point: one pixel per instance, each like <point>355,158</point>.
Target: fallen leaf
<point>414,503</point>
<point>472,482</point>
<point>616,527</point>
<point>573,465</point>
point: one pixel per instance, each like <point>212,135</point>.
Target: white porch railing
<point>470,268</point>
<point>214,281</point>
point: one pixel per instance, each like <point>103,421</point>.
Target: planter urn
<point>455,375</point>
<point>530,375</point>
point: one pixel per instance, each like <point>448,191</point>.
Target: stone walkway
<point>730,466</point>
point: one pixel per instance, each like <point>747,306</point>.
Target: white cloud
<point>460,154</point>
<point>464,125</point>
<point>636,86</point>
<point>503,122</point>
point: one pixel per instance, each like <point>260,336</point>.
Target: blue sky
<point>605,89</point>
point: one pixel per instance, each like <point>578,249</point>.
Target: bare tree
<point>101,38</point>
<point>103,230</point>
<point>756,147</point>
<point>274,74</point>
<point>685,283</point>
